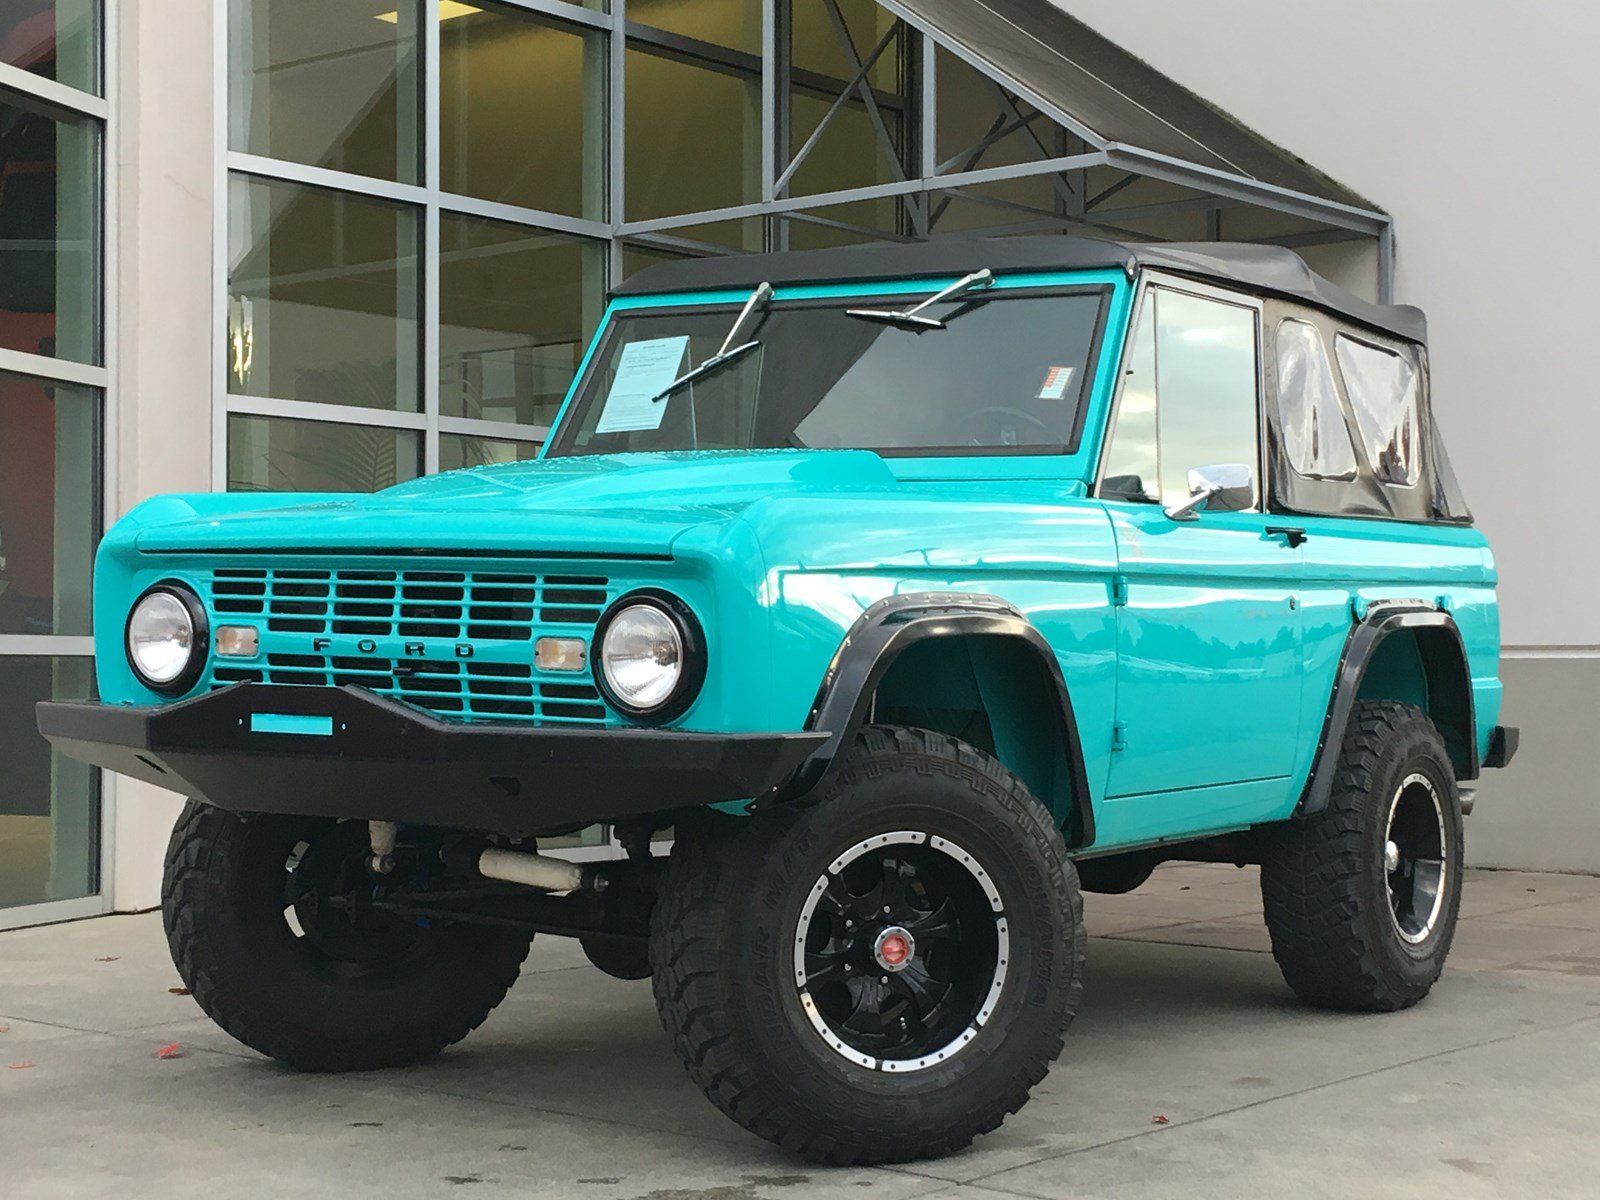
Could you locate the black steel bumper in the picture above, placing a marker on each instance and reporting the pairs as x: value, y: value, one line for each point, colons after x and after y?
x: 346, y: 752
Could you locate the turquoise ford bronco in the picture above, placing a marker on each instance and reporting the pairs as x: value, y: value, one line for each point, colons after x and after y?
x: 902, y: 591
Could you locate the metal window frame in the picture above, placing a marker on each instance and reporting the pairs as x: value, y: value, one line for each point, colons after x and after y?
x: 102, y: 379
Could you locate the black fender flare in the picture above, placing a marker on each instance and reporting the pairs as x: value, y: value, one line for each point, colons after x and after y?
x: 1381, y: 620
x: 879, y: 636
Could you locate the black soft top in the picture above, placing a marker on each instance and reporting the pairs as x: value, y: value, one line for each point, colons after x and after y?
x: 1264, y: 270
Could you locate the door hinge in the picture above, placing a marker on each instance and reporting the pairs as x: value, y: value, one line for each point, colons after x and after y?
x: 1119, y: 736
x: 1119, y: 590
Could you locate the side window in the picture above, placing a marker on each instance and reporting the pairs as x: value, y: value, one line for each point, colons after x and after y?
x: 1315, y: 438
x: 1382, y: 387
x: 1188, y: 399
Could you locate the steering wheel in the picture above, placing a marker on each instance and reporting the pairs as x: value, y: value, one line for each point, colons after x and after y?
x: 973, y: 424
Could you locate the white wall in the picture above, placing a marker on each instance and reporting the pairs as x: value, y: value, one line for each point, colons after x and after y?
x: 1473, y: 123
x: 164, y: 324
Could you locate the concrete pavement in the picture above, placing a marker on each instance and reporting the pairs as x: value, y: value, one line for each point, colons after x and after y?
x: 1490, y: 1088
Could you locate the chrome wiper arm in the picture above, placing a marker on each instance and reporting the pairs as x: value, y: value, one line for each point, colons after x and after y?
x: 910, y: 318
x: 724, y: 355
x: 715, y: 363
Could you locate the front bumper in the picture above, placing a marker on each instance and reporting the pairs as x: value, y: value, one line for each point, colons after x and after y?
x: 346, y: 752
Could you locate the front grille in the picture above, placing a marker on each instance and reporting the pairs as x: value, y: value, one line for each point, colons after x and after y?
x: 458, y: 643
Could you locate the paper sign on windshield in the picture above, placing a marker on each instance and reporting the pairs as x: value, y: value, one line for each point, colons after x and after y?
x: 1056, y: 381
x: 644, y: 371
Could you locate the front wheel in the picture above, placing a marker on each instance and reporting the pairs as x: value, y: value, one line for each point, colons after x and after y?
x: 885, y: 974
x: 271, y: 928
x: 1361, y: 898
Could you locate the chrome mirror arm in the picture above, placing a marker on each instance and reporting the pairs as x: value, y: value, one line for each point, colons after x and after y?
x: 1189, y: 510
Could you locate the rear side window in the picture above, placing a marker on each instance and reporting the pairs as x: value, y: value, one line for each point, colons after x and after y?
x: 1315, y: 437
x: 1382, y: 387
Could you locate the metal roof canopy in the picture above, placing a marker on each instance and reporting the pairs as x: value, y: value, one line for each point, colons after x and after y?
x: 1120, y: 111
x: 1271, y: 270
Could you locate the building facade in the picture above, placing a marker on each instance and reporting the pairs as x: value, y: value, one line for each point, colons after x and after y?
x: 334, y: 244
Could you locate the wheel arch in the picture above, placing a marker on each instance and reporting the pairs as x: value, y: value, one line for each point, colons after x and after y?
x: 1410, y: 652
x: 965, y: 664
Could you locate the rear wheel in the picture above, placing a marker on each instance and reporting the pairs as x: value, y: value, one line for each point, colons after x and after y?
x: 1361, y: 899
x: 881, y: 976
x: 271, y: 926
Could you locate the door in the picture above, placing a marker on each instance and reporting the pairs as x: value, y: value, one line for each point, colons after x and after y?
x: 1209, y: 671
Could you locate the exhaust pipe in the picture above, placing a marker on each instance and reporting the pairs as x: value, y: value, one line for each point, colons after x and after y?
x: 538, y: 871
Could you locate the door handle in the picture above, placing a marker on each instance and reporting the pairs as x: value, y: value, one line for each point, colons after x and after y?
x: 1293, y: 534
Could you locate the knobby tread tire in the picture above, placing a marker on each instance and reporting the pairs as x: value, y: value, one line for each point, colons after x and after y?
x: 704, y: 1005
x: 200, y: 910
x: 1322, y: 879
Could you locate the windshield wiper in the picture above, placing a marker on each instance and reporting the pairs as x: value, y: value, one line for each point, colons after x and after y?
x: 908, y: 319
x: 724, y: 355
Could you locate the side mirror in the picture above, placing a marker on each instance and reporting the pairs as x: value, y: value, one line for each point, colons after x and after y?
x: 1226, y: 487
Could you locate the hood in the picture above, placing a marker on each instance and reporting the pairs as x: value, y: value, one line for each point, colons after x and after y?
x: 627, y: 504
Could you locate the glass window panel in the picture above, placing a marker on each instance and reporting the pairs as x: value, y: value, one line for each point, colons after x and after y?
x: 693, y: 140
x: 456, y: 451
x: 735, y: 24
x: 58, y: 39
x: 815, y: 44
x: 278, y: 454
x: 323, y: 296
x: 50, y: 806
x: 49, y: 232
x: 523, y: 112
x: 636, y: 258
x: 1206, y: 388
x: 49, y: 504
x: 516, y: 308
x: 1315, y: 438
x: 848, y: 154
x: 329, y: 84
x: 1382, y: 387
x: 1132, y: 470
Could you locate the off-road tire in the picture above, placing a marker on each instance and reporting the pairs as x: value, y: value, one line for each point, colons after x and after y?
x: 238, y: 957
x: 722, y: 942
x: 1324, y: 881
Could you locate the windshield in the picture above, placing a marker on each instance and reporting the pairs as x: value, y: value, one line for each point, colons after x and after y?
x: 1008, y: 374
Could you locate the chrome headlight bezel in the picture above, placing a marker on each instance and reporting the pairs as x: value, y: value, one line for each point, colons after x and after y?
x: 199, y: 639
x: 692, y: 660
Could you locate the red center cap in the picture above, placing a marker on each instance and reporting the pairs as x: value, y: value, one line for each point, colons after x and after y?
x: 894, y: 950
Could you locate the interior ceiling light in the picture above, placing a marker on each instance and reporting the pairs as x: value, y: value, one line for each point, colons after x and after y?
x: 448, y: 9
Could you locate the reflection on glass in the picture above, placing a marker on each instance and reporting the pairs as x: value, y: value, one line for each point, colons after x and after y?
x: 1206, y: 364
x: 1132, y: 471
x: 735, y: 24
x: 49, y: 504
x: 516, y: 308
x: 522, y: 111
x: 274, y: 454
x: 693, y: 140
x: 49, y: 232
x: 323, y: 298
x: 58, y: 39
x: 457, y: 452
x: 1382, y: 387
x: 50, y: 806
x: 330, y: 85
x: 1315, y: 438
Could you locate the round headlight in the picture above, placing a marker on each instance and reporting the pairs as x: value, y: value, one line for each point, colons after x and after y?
x: 166, y: 636
x: 650, y: 662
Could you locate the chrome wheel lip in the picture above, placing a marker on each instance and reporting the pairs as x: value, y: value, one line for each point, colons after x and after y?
x: 1002, y: 952
x: 1417, y: 779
